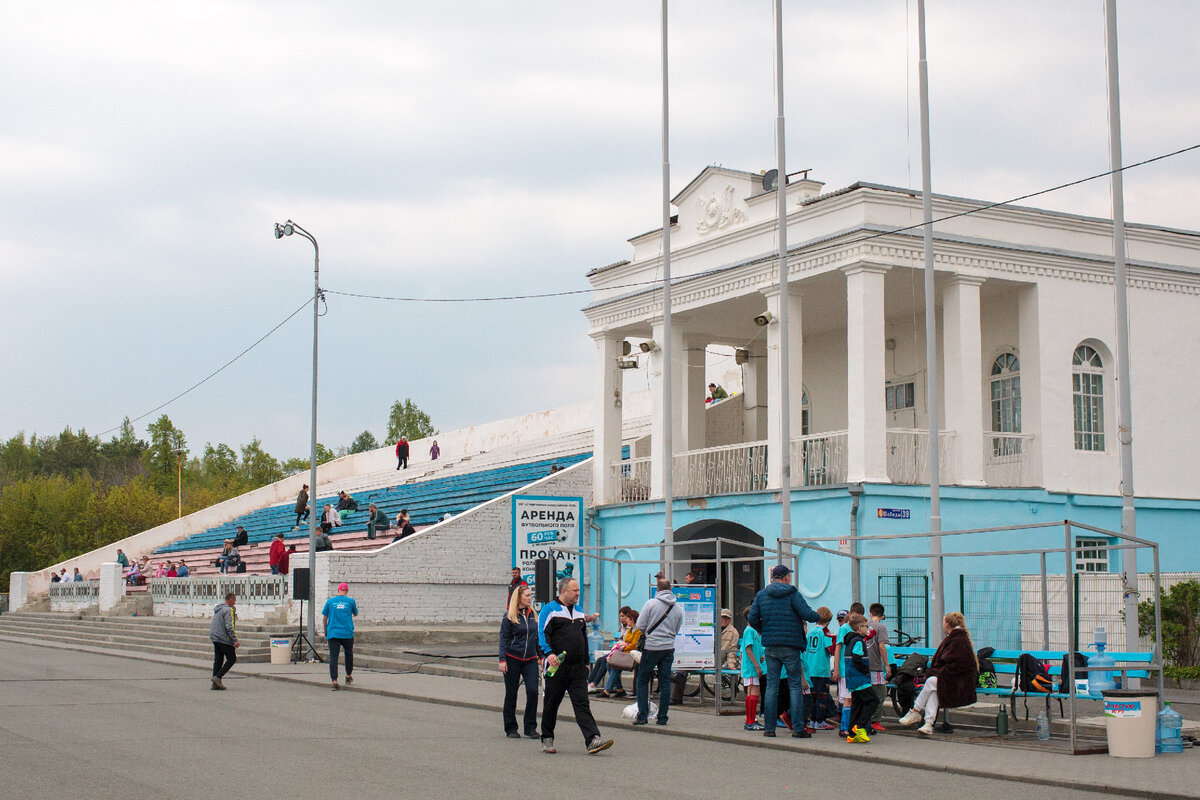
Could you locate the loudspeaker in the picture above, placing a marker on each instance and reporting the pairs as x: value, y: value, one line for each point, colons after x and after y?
x: 544, y: 570
x: 300, y: 583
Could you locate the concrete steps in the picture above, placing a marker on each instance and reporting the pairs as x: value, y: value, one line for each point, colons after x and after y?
x: 157, y: 636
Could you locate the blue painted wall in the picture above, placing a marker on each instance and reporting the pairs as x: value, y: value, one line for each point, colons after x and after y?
x: 825, y: 578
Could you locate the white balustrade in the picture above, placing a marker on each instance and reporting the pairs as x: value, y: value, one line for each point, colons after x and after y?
x: 1009, y: 458
x: 74, y: 595
x: 720, y: 470
x: 819, y: 459
x: 630, y: 480
x: 196, y: 597
x: 908, y: 456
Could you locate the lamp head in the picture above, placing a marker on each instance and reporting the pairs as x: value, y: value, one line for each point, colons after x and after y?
x: 648, y: 346
x: 286, y: 229
x: 764, y: 319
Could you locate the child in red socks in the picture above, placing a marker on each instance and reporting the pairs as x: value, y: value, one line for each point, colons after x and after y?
x: 753, y: 654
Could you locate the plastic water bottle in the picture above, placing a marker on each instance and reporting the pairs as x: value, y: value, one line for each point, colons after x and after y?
x: 1168, y: 734
x: 1043, y: 727
x: 553, y: 669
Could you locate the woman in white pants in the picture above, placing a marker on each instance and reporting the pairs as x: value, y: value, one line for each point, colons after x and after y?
x: 951, y: 678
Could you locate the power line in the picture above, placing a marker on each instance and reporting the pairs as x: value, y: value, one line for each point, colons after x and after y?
x: 219, y: 370
x: 810, y: 251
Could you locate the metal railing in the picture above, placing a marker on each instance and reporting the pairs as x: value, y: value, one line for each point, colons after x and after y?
x: 819, y: 459
x: 1009, y: 459
x: 908, y: 459
x: 630, y: 480
x: 720, y: 470
x: 74, y: 595
x: 211, y: 589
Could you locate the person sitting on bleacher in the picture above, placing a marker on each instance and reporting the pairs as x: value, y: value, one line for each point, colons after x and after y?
x: 182, y: 571
x: 404, y: 524
x: 171, y: 571
x: 241, y: 538
x: 229, y: 558
x: 323, y: 541
x: 377, y: 521
x: 134, y: 576
x: 330, y: 519
x: 346, y: 504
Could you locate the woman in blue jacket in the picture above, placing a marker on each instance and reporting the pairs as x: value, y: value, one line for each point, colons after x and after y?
x: 519, y: 660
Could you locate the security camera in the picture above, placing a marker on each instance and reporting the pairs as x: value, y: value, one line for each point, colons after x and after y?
x: 764, y: 319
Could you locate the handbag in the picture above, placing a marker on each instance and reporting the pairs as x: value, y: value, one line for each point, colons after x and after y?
x: 621, y: 660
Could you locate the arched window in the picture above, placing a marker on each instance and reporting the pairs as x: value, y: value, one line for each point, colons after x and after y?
x: 804, y: 415
x: 1006, y: 404
x: 1087, y: 389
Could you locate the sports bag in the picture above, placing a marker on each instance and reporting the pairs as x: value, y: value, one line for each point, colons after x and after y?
x: 1032, y: 675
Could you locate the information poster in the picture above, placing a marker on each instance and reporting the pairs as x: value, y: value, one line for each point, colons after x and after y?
x: 694, y: 642
x: 540, y: 523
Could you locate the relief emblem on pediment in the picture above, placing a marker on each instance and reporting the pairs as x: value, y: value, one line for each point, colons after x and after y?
x: 717, y: 212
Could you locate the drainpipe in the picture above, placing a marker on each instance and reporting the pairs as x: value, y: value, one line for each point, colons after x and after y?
x: 855, y: 490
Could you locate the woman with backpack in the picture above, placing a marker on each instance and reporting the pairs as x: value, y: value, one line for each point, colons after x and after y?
x: 951, y: 678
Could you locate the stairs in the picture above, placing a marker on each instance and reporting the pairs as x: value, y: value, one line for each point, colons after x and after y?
x: 165, y: 636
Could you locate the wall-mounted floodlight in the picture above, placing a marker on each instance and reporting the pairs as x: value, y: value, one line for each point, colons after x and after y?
x: 741, y: 356
x: 627, y: 363
x: 764, y: 319
x: 284, y: 229
x: 648, y: 346
x: 626, y: 348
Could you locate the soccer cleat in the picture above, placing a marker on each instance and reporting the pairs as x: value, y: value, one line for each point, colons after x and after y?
x: 912, y: 717
x: 926, y: 729
x: 877, y: 727
x: 860, y: 736
x: 849, y: 739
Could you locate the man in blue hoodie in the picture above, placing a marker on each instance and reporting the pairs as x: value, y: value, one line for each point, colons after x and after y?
x: 779, y: 613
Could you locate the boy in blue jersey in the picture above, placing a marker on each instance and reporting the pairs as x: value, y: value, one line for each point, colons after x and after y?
x: 339, y: 613
x: 816, y: 670
x: 856, y: 668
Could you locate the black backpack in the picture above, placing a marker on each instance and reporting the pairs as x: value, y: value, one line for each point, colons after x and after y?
x: 1081, y: 662
x: 987, y: 670
x: 1032, y: 675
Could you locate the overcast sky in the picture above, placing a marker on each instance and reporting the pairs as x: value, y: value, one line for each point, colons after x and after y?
x: 456, y: 149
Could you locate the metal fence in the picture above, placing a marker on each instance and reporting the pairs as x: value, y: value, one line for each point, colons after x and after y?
x: 630, y: 480
x: 993, y: 608
x: 904, y: 594
x: 1010, y: 459
x: 820, y: 459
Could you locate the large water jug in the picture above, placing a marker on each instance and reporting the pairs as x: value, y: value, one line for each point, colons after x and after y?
x: 1168, y: 736
x: 1101, y: 679
x: 595, y: 639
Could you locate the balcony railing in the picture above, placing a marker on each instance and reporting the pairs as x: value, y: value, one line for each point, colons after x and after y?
x: 908, y: 456
x: 819, y: 459
x: 629, y: 480
x: 1009, y: 459
x: 720, y: 470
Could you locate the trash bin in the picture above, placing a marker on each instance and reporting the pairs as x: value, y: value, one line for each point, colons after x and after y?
x: 1130, y: 716
x: 281, y: 653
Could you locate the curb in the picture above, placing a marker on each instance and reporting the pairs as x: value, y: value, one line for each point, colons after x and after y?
x: 778, y: 745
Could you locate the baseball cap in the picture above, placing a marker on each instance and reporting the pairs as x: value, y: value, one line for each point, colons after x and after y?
x: 780, y: 571
x: 843, y: 613
x: 343, y: 587
x: 725, y: 612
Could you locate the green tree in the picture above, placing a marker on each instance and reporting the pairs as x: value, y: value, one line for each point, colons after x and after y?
x: 120, y: 457
x: 407, y: 420
x: 258, y: 466
x: 1180, y: 623
x: 363, y: 442
x: 159, y: 459
x: 300, y: 463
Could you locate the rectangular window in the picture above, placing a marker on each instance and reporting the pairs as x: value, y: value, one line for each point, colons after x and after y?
x: 1090, y: 555
x: 901, y: 396
x: 1087, y: 390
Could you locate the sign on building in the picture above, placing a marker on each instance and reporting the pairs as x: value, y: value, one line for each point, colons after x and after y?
x: 541, y: 522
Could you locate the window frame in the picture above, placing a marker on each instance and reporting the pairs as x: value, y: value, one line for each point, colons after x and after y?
x: 1088, y: 378
x: 1091, y: 554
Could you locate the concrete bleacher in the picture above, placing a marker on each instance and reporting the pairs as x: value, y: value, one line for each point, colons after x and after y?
x: 427, y: 502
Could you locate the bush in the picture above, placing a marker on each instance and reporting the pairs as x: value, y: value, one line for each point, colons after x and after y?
x: 1180, y: 623
x: 1183, y: 673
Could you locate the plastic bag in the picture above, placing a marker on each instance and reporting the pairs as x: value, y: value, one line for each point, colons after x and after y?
x: 630, y: 711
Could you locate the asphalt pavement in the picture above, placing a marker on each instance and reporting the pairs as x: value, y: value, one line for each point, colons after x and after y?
x: 85, y: 724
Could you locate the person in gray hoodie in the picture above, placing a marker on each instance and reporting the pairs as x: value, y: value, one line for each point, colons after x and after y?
x: 659, y: 622
x: 223, y: 633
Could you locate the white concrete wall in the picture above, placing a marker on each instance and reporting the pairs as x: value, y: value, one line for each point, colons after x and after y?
x: 18, y: 590
x: 452, y: 572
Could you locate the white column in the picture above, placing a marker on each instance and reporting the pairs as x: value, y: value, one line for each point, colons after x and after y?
x: 865, y: 375
x: 18, y: 590
x: 962, y: 362
x: 754, y: 396
x: 695, y: 391
x: 1029, y: 347
x: 606, y: 411
x: 795, y: 377
x: 658, y: 372
x: 112, y: 585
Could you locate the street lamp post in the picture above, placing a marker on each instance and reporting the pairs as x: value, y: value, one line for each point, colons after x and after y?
x: 179, y: 451
x: 287, y: 229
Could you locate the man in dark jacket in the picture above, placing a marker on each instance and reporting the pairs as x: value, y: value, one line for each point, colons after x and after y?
x: 376, y: 521
x: 402, y: 453
x: 223, y: 632
x: 241, y: 538
x: 779, y: 613
x: 562, y: 633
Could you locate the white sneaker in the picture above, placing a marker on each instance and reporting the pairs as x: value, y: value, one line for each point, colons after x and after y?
x: 912, y: 717
x: 926, y: 729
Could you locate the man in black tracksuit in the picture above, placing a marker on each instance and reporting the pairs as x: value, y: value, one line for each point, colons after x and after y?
x: 562, y: 632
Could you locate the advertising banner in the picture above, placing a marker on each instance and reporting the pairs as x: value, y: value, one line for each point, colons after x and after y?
x: 540, y: 522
